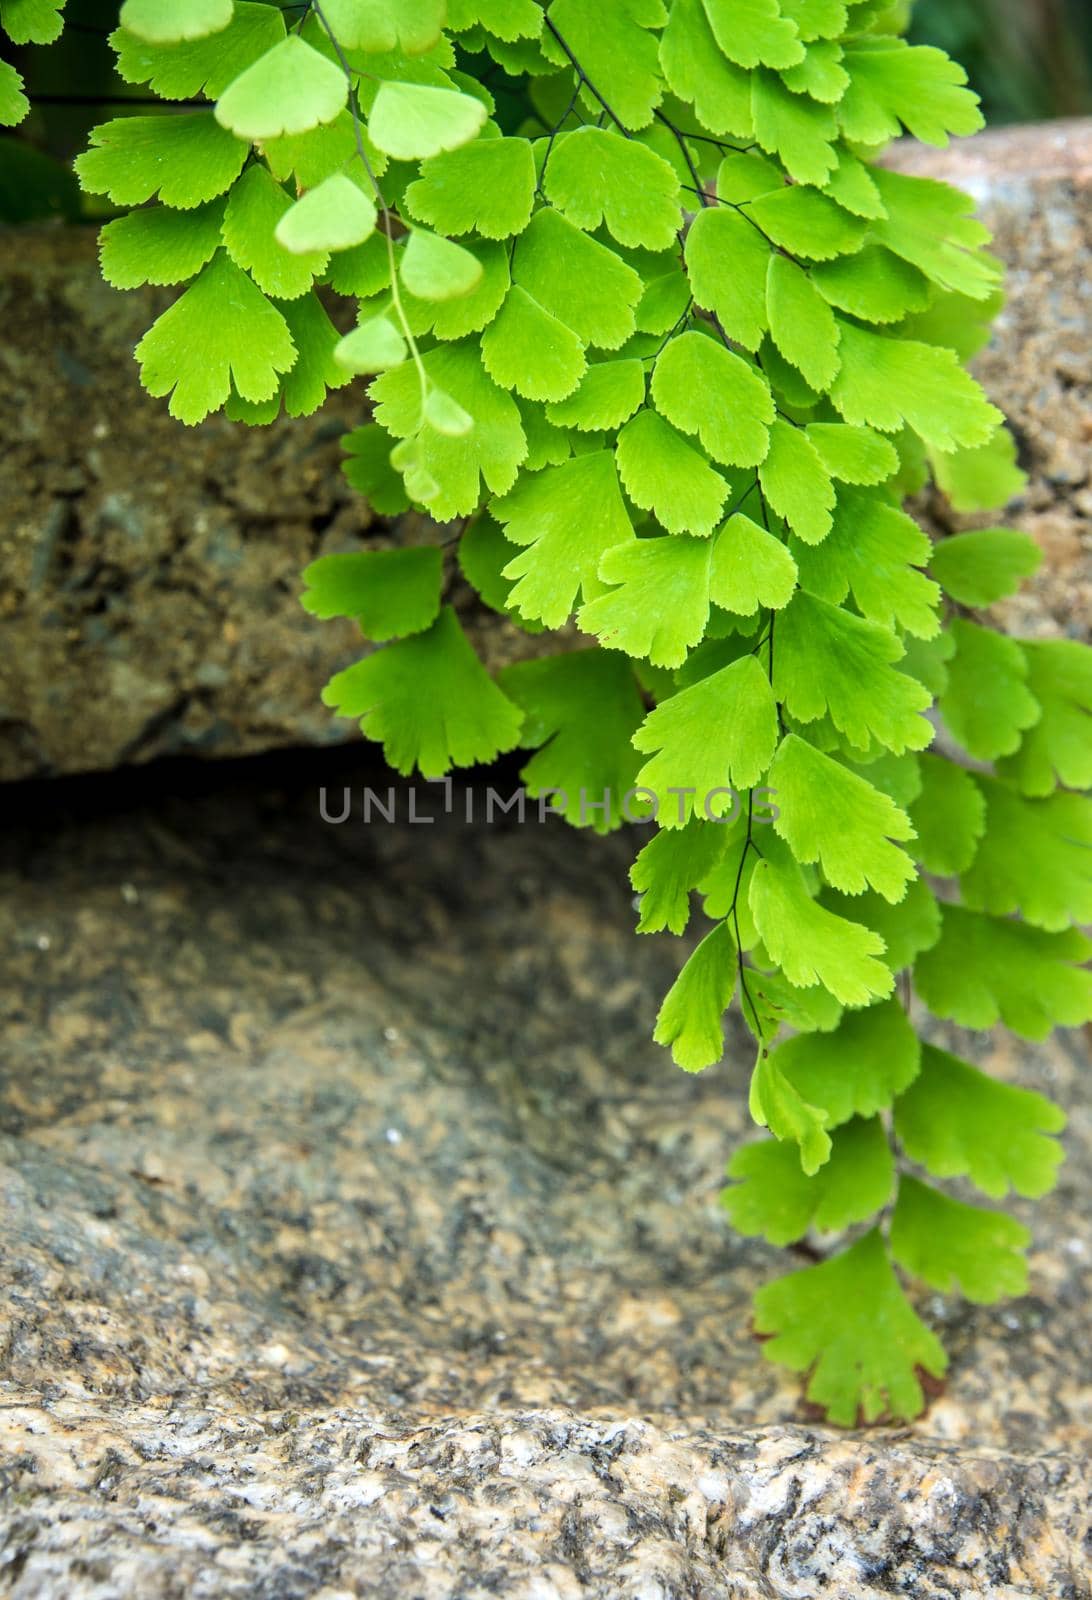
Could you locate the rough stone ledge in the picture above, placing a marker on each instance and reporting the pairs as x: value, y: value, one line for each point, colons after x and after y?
x: 188, y: 1500
x: 149, y: 572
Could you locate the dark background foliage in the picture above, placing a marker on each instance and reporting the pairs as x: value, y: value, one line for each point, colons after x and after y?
x: 1028, y: 59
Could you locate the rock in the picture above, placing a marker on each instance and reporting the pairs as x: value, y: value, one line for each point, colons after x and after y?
x: 150, y: 572
x: 1033, y: 187
x: 358, y: 1242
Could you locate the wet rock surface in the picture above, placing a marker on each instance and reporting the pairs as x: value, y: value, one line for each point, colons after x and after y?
x: 149, y: 572
x: 357, y: 1242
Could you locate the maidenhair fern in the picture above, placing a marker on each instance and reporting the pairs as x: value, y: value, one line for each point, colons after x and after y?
x: 645, y: 320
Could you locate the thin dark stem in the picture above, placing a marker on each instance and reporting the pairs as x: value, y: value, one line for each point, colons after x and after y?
x: 777, y: 702
x: 748, y: 845
x: 354, y: 110
x: 740, y: 206
x: 585, y: 80
x: 687, y: 157
x: 554, y: 131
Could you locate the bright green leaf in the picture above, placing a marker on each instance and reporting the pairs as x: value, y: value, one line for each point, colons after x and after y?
x: 988, y: 969
x: 175, y: 21
x: 311, y: 157
x: 753, y: 33
x: 607, y: 396
x: 1035, y: 857
x: 853, y: 185
x: 387, y: 593
x: 315, y: 370
x: 918, y: 86
x: 411, y: 121
x: 801, y: 323
x: 853, y: 455
x: 664, y: 474
x: 436, y: 269
x: 948, y: 816
x: 907, y: 929
x: 158, y: 245
x: 616, y: 51
x: 508, y: 19
x: 380, y: 26
x: 872, y: 1056
x: 369, y: 470
x: 493, y: 450
x: 583, y: 283
x: 886, y: 382
x: 581, y: 709
x: 874, y: 551
x: 528, y: 350
x: 812, y: 945
x: 774, y: 1197
x: 698, y: 73
x: 958, y: 1122
x: 778, y: 1003
x: 429, y: 700
x: 776, y: 1104
x: 447, y: 415
x: 828, y: 660
x: 485, y: 187
x: 222, y: 331
x: 978, y: 568
x: 953, y: 1246
x: 14, y: 104
x: 467, y: 313
x: 200, y: 66
x: 185, y: 160
x: 691, y: 1019
x: 983, y: 478
x: 290, y: 89
x: 716, y: 735
x: 750, y: 568
x: 796, y: 483
x: 728, y: 261
x: 32, y: 21
x: 816, y: 19
x: 567, y: 517
x: 255, y: 207
x: 798, y: 130
x: 850, y: 1323
x: 596, y: 176
x: 671, y: 865
x: 705, y: 389
x: 807, y: 223
x: 835, y: 817
x: 874, y: 285
x: 987, y: 704
x: 334, y: 216
x: 1058, y: 749
x: 372, y: 347
x: 932, y: 226
x: 661, y: 607
x: 820, y: 75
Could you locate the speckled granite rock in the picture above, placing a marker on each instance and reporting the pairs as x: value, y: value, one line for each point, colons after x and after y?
x: 149, y: 572
x: 357, y: 1242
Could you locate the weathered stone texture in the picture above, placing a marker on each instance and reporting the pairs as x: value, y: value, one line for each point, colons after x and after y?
x: 357, y: 1242
x: 149, y: 573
